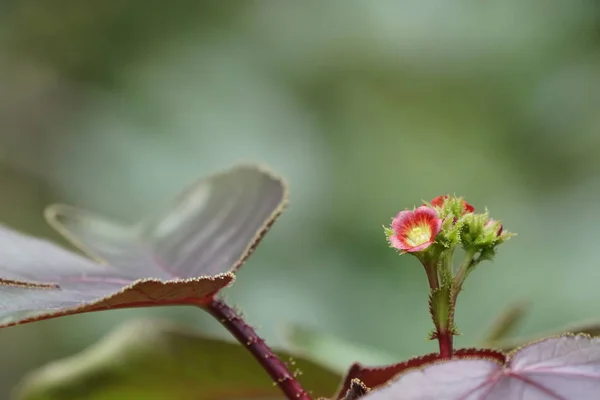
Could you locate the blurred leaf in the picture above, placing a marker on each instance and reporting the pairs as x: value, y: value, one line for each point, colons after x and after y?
x: 183, y: 255
x: 156, y: 360
x: 566, y: 368
x: 332, y: 351
x: 24, y: 195
x: 92, y: 41
x: 208, y: 229
x: 505, y: 324
x: 591, y: 328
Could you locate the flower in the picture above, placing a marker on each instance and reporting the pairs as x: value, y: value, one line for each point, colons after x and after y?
x: 414, y: 231
x: 439, y: 202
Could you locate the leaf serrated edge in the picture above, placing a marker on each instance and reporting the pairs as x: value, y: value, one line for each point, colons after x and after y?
x: 511, y: 354
x: 415, y: 364
x: 356, y: 390
x: 94, y: 305
x: 28, y: 284
x: 462, y: 354
x: 50, y: 212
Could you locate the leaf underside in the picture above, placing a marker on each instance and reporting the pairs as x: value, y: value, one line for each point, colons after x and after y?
x: 558, y: 368
x: 156, y: 360
x: 184, y: 254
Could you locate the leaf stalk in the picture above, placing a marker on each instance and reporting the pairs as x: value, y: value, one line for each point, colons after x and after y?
x: 247, y: 336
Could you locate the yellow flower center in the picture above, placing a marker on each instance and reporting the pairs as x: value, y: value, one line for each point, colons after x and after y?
x: 418, y: 235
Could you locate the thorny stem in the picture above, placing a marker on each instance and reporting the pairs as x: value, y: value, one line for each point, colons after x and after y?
x: 246, y: 335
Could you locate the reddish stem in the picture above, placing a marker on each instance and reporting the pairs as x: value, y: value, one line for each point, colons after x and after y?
x: 432, y: 276
x: 246, y: 335
x: 445, y: 342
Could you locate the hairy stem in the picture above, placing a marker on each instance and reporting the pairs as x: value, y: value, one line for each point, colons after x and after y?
x: 445, y: 341
x: 246, y: 335
x: 465, y: 267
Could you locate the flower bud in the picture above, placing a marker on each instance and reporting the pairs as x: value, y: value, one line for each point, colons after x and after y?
x: 456, y: 206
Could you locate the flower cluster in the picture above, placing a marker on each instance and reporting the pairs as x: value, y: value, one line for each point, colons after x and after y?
x: 447, y: 221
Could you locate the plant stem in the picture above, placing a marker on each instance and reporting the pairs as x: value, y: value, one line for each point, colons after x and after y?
x: 445, y: 341
x: 445, y: 333
x: 246, y: 335
x: 464, y: 269
x: 432, y: 276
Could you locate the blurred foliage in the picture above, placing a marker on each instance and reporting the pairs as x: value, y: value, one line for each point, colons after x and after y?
x: 366, y: 108
x: 155, y: 360
x: 335, y: 352
x: 86, y: 41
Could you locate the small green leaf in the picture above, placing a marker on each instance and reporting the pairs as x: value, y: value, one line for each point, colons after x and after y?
x: 334, y: 352
x: 156, y: 360
x: 388, y: 231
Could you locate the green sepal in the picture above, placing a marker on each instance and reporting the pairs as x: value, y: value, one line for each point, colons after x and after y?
x: 481, y: 233
x: 455, y: 206
x: 449, y: 236
x: 388, y: 231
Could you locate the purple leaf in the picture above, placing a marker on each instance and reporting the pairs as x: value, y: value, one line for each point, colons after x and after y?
x: 374, y: 377
x: 558, y: 368
x: 182, y: 255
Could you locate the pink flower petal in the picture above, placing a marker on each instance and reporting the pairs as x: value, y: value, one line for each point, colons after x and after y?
x: 429, y: 215
x: 420, y: 247
x: 397, y: 243
x: 401, y: 220
x: 406, y: 222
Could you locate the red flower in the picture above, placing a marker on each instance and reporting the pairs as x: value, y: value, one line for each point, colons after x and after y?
x: 439, y: 201
x: 415, y: 230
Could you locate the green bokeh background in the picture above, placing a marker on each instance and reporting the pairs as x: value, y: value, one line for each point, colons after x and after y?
x: 367, y: 107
